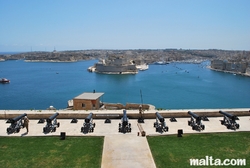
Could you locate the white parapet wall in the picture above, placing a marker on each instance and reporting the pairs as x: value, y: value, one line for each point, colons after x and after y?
x: 102, y: 114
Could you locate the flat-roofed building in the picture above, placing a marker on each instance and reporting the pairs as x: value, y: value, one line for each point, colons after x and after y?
x: 87, y: 101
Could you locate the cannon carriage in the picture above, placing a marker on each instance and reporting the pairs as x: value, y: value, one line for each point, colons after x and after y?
x: 124, y: 126
x: 16, y: 124
x: 229, y: 120
x: 195, y: 122
x: 52, y: 124
x: 160, y: 124
x: 88, y: 125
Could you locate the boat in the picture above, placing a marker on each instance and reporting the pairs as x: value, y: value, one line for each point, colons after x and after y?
x: 142, y: 67
x: 91, y: 69
x: 4, y: 80
x: 161, y: 63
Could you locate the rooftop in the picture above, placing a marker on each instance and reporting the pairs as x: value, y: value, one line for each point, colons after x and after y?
x: 89, y: 96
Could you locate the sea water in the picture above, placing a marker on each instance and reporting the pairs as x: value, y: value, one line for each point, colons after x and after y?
x: 38, y: 85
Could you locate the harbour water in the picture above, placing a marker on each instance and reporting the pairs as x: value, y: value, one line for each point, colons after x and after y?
x: 38, y: 85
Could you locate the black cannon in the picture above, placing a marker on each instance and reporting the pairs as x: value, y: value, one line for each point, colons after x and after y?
x: 124, y: 126
x: 160, y: 124
x: 195, y: 122
x: 229, y: 120
x: 51, y: 124
x: 16, y: 124
x: 88, y: 125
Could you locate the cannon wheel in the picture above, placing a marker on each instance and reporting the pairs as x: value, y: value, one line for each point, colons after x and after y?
x: 166, y: 129
x: 193, y: 127
x: 203, y: 127
x: 156, y: 129
x: 58, y: 124
x: 8, y: 130
x: 90, y: 129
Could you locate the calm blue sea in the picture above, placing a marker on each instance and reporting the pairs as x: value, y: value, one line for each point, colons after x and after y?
x: 38, y: 85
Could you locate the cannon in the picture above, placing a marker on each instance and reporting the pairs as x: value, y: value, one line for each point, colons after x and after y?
x: 229, y: 120
x: 195, y: 122
x: 52, y: 124
x: 88, y: 125
x: 124, y: 126
x: 160, y: 124
x: 16, y: 124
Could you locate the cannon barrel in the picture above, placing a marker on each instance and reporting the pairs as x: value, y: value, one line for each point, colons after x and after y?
x: 13, y: 120
x: 124, y: 118
x: 88, y: 118
x: 231, y: 116
x: 52, y: 117
x: 194, y: 115
x: 159, y: 117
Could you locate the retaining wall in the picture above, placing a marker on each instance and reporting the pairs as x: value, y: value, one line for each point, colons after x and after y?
x: 117, y: 114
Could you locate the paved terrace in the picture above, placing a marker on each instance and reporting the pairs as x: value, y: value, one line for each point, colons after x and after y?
x: 123, y: 150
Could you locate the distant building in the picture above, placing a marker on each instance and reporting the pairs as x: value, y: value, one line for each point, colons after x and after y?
x: 218, y: 64
x: 87, y: 101
x: 239, y: 67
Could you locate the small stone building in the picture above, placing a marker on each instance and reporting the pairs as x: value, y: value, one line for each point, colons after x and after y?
x: 87, y: 101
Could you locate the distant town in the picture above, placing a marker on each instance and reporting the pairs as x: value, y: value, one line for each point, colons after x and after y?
x: 222, y: 60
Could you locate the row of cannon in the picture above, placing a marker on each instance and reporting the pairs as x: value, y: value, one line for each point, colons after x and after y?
x: 17, y: 124
x: 229, y: 120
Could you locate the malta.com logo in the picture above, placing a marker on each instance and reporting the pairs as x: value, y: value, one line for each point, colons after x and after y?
x: 210, y: 161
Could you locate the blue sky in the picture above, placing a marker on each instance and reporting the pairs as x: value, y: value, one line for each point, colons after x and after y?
x: 41, y: 25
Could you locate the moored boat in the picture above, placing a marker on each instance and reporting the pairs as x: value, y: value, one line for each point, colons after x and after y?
x: 161, y: 63
x: 142, y: 67
x: 4, y: 80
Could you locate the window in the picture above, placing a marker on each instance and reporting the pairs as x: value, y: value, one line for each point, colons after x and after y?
x: 83, y: 105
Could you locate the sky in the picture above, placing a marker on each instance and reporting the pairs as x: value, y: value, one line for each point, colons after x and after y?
x: 45, y: 25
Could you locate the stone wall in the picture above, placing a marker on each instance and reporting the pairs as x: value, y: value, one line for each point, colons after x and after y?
x: 130, y: 106
x: 117, y: 114
x: 115, y: 69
